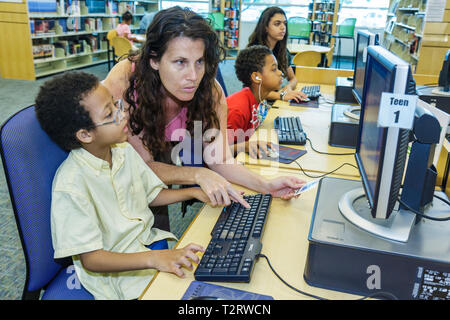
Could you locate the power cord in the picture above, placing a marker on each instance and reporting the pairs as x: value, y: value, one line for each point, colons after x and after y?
x: 420, y: 214
x: 327, y: 153
x: 387, y: 295
x: 325, y: 174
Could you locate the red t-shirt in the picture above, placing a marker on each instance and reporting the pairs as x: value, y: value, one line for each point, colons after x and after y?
x: 242, y: 114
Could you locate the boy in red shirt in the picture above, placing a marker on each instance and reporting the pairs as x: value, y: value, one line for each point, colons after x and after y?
x: 257, y: 68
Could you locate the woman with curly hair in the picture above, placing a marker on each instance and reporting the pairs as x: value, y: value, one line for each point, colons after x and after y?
x: 272, y: 31
x: 170, y: 87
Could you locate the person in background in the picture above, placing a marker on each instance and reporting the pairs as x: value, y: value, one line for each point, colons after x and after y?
x: 271, y: 31
x: 145, y: 21
x: 123, y: 29
x: 257, y: 69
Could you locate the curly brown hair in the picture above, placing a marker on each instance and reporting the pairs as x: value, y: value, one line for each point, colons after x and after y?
x: 145, y: 88
x: 259, y: 36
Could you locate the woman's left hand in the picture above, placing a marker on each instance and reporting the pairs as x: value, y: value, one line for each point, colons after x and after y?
x: 284, y: 187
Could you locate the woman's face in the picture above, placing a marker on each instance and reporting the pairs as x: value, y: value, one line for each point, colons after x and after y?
x: 276, y: 30
x: 181, y: 67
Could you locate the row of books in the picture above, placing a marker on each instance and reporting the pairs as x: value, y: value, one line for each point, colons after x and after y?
x: 77, y: 7
x: 39, y: 27
x: 66, y: 48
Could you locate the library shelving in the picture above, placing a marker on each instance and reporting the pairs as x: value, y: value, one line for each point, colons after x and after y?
x: 418, y: 32
x: 71, y: 34
x: 230, y: 35
x: 323, y: 15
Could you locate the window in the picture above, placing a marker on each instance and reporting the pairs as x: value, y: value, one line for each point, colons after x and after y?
x: 199, y: 6
x: 252, y: 9
x: 368, y: 13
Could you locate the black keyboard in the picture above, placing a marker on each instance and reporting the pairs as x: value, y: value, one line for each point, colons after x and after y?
x: 313, y: 92
x: 290, y: 131
x: 236, y: 241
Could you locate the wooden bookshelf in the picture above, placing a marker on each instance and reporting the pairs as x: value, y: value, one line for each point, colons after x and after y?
x: 230, y: 35
x: 43, y: 52
x: 418, y: 32
x: 324, y: 16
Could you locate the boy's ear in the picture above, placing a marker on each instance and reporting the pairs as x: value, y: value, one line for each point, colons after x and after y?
x: 256, y: 77
x: 84, y: 136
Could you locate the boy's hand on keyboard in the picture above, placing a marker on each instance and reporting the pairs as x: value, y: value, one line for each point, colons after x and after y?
x: 174, y: 260
x: 295, y: 95
x: 285, y: 187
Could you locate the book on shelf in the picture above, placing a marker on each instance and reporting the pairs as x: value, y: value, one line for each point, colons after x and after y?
x: 42, y: 51
x: 44, y: 27
x: 42, y: 6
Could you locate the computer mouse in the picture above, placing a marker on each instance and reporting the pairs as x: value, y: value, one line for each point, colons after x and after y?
x: 272, y: 154
x: 305, y: 99
x: 205, y: 298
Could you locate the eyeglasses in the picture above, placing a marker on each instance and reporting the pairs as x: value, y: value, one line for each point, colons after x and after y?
x: 117, y: 118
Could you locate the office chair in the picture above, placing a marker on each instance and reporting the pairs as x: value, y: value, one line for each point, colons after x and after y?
x: 299, y: 28
x: 121, y: 48
x: 345, y: 31
x: 109, y: 37
x: 219, y: 78
x: 30, y: 160
x: 307, y: 59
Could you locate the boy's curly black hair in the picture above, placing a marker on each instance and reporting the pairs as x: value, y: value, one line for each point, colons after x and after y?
x: 249, y: 60
x: 58, y: 108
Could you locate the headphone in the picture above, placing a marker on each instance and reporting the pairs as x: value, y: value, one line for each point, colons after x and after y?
x: 258, y: 78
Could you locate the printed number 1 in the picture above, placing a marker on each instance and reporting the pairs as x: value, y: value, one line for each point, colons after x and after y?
x: 397, y: 115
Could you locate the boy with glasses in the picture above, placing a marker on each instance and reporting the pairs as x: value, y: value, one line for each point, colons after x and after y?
x: 101, y: 193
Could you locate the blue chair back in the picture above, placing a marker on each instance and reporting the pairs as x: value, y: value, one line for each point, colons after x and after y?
x: 220, y: 80
x: 30, y: 160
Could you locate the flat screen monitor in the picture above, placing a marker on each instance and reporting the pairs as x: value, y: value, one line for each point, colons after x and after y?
x: 364, y: 39
x: 381, y: 152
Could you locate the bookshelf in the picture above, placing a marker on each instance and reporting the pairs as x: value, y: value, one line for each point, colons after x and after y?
x: 418, y: 32
x: 71, y: 34
x: 323, y: 15
x: 230, y: 35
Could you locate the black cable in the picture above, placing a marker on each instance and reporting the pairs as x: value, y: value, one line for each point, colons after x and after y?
x: 387, y: 295
x: 287, y: 284
x: 420, y: 214
x: 442, y: 199
x: 330, y: 154
x: 325, y: 174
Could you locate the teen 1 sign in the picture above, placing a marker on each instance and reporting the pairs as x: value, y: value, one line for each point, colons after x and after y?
x: 397, y: 110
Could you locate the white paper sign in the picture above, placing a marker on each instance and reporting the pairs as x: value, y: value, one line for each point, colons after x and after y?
x: 397, y: 110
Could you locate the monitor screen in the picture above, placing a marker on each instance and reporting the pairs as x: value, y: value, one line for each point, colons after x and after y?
x: 381, y: 152
x: 373, y: 137
x: 363, y: 41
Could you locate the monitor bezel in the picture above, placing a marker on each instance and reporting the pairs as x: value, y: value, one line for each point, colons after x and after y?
x: 371, y: 40
x: 393, y: 138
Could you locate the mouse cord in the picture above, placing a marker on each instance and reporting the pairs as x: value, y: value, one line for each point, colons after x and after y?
x: 380, y: 294
x: 325, y: 174
x: 331, y: 154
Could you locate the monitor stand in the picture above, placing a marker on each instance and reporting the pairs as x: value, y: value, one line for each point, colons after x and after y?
x: 343, y: 256
x: 399, y: 224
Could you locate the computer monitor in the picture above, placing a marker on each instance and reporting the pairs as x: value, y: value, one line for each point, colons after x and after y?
x: 364, y: 39
x: 381, y: 152
x: 444, y: 76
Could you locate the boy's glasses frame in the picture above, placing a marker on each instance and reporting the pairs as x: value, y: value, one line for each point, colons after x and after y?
x: 117, y: 118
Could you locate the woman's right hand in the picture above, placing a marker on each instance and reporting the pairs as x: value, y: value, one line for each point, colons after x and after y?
x: 219, y: 191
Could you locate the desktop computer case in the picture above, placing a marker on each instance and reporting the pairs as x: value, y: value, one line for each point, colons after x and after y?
x: 345, y: 258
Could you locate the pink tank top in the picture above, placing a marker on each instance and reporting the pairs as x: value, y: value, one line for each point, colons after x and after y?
x: 178, y: 122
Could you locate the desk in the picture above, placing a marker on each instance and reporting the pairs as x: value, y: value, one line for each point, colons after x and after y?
x: 284, y: 243
x: 316, y: 123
